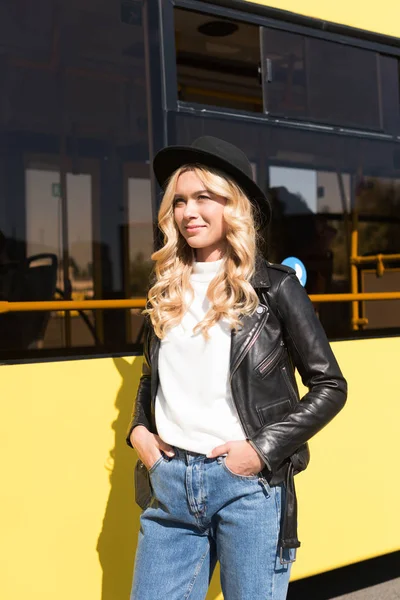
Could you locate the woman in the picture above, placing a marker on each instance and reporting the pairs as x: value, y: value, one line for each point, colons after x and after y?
x: 217, y: 422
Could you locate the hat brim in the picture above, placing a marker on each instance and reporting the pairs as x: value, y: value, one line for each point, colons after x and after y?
x: 169, y: 159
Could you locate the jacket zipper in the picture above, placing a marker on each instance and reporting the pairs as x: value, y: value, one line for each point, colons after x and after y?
x: 271, y: 360
x: 236, y: 366
x: 238, y: 363
x: 246, y: 350
x: 272, y: 404
x: 292, y: 391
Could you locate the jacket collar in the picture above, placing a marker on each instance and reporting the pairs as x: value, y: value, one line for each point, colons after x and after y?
x: 260, y: 278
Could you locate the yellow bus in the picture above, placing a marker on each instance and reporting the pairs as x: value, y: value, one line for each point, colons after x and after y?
x: 90, y: 90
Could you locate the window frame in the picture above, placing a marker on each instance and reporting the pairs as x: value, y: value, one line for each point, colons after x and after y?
x: 267, y: 18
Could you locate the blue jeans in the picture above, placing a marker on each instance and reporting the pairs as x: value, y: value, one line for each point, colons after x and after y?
x: 201, y: 512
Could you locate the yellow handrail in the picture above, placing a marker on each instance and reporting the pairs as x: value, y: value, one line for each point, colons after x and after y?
x: 357, y: 260
x: 141, y: 302
x: 354, y: 297
x: 379, y: 259
x: 355, y: 320
x: 71, y: 305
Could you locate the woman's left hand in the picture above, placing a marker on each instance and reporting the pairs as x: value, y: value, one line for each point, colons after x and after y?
x: 242, y: 459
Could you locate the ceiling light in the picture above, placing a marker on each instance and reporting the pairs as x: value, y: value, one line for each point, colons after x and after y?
x: 217, y: 28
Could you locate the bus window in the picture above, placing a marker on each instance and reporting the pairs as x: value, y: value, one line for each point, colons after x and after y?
x: 378, y: 226
x: 322, y: 187
x: 74, y: 176
x: 328, y: 82
x: 312, y: 205
x: 140, y: 224
x: 390, y: 78
x: 217, y: 61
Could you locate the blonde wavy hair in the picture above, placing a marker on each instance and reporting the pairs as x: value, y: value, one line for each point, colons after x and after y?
x: 230, y: 292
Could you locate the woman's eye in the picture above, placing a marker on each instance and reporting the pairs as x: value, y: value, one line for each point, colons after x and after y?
x: 178, y: 201
x: 204, y: 197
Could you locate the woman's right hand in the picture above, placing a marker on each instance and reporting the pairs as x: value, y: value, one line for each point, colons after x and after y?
x: 149, y: 446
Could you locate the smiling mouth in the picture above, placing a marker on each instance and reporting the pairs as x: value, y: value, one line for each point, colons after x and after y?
x: 194, y: 227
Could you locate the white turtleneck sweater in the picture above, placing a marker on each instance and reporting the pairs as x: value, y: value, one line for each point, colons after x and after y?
x: 194, y: 408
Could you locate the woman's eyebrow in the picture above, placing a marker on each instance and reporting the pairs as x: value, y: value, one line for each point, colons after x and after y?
x: 193, y: 194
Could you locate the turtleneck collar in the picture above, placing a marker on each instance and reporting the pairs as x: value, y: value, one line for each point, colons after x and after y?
x: 204, y: 271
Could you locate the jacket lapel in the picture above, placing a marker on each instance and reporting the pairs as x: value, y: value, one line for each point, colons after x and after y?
x: 243, y: 339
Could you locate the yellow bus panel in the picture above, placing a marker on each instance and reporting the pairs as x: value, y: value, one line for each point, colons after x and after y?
x: 358, y: 13
x: 69, y: 522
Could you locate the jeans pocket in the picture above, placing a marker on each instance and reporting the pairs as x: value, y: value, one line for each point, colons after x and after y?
x: 237, y: 475
x: 156, y: 464
x: 266, y: 486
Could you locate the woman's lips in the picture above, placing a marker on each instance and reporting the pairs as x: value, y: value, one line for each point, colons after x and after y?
x: 194, y: 227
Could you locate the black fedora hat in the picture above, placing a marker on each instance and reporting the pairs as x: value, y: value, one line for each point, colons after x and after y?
x: 212, y: 152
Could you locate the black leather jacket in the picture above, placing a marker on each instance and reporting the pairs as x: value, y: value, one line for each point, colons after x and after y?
x: 284, y: 333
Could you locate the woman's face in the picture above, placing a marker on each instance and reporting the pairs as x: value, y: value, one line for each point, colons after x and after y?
x: 199, y: 215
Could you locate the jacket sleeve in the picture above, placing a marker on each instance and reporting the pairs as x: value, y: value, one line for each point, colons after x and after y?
x: 312, y: 355
x: 141, y: 412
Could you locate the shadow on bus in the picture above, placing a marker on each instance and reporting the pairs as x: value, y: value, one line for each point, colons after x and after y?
x: 117, y: 541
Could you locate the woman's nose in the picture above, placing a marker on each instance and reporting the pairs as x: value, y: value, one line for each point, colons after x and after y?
x: 190, y: 209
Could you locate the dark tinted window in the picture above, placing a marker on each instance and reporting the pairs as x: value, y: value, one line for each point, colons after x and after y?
x: 390, y: 80
x: 321, y: 80
x: 343, y: 84
x: 317, y: 183
x: 284, y: 73
x: 378, y: 212
x: 75, y: 204
x: 227, y: 63
x: 217, y: 61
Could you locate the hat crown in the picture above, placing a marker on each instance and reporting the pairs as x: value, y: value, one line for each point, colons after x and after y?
x: 224, y: 150
x: 214, y: 153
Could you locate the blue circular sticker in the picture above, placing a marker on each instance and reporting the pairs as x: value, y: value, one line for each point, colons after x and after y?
x: 297, y: 265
